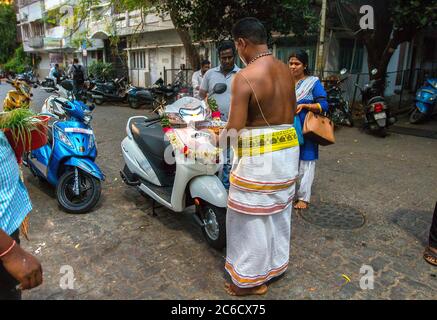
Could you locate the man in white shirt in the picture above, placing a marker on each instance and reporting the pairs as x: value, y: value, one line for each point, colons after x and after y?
x: 198, y: 77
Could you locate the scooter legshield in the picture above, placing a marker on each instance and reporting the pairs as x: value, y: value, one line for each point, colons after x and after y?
x: 423, y: 107
x: 86, y: 165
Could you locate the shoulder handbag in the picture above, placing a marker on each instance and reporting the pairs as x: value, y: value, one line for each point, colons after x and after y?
x: 319, y: 128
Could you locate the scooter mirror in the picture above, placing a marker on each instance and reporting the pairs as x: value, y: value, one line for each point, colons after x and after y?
x: 92, y: 107
x: 35, y: 86
x: 343, y: 71
x: 374, y: 71
x: 219, y: 88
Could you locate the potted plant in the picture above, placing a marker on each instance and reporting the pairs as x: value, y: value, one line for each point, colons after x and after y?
x: 24, y: 130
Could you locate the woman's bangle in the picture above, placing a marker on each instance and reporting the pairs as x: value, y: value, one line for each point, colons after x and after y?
x: 9, y: 249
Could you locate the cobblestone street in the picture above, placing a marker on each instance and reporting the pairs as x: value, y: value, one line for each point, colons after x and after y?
x: 120, y: 251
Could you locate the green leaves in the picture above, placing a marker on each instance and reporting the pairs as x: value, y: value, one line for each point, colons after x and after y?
x: 8, y: 34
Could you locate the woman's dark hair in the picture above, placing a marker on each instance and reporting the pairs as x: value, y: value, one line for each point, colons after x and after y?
x: 302, y: 56
x: 225, y: 45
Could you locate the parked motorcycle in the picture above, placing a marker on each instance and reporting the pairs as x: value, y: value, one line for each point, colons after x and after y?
x: 18, y: 98
x: 377, y: 114
x: 138, y: 96
x: 425, y: 105
x: 29, y: 77
x: 179, y: 185
x: 114, y: 90
x: 67, y: 161
x: 61, y: 94
x: 339, y: 110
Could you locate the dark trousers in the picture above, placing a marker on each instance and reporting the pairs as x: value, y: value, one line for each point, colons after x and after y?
x: 433, y: 231
x: 8, y: 284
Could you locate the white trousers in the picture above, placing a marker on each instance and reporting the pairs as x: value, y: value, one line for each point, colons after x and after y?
x: 307, y: 170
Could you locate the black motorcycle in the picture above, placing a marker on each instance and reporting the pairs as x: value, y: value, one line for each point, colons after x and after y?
x: 339, y: 110
x: 29, y: 77
x: 377, y: 114
x: 113, y: 90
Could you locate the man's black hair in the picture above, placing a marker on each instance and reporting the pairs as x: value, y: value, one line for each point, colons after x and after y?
x: 225, y: 45
x: 205, y: 62
x: 251, y: 29
x: 75, y: 60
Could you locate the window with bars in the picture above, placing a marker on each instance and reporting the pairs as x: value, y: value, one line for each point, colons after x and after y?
x: 138, y: 59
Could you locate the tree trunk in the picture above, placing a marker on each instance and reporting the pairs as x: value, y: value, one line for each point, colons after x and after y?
x: 190, y: 50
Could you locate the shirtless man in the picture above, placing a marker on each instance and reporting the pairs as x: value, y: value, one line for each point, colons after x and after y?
x: 259, y: 206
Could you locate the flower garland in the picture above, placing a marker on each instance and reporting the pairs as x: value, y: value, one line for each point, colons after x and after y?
x: 183, y: 148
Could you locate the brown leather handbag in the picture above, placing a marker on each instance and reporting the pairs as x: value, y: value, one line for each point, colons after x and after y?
x: 318, y: 128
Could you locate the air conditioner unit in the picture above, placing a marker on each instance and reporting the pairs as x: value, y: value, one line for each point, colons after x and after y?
x: 24, y: 16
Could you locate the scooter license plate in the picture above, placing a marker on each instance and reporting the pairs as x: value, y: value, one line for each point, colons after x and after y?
x: 79, y: 130
x: 379, y: 116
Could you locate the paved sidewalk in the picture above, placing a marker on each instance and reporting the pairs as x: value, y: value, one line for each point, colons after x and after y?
x: 119, y: 251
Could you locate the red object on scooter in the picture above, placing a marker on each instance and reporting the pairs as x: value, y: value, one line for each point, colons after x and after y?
x: 38, y: 138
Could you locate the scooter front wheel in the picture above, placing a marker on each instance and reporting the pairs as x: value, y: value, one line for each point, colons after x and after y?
x: 417, y: 116
x: 83, y: 201
x: 214, y: 225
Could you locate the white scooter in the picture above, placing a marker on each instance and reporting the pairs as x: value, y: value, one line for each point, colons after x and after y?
x: 61, y: 92
x: 183, y: 184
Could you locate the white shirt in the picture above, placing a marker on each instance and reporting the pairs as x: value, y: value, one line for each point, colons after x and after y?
x: 196, y: 81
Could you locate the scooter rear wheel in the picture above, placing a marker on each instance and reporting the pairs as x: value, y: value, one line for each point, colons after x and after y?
x: 90, y: 192
x: 214, y: 228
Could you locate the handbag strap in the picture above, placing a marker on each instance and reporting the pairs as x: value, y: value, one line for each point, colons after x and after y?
x: 256, y: 98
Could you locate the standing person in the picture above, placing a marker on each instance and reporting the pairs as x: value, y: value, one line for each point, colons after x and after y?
x: 310, y: 96
x: 16, y: 265
x: 430, y: 254
x: 55, y: 73
x: 224, y: 73
x: 77, y: 73
x: 197, y: 78
x: 258, y: 219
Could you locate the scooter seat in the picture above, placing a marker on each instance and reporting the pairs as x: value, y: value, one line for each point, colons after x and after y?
x: 150, y: 139
x: 376, y: 99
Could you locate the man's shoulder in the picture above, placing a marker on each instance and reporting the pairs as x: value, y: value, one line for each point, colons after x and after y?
x: 210, y: 72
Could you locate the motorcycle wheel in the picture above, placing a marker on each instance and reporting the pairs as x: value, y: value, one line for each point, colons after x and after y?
x: 98, y: 101
x: 214, y: 228
x: 417, y: 116
x: 134, y: 104
x: 88, y: 198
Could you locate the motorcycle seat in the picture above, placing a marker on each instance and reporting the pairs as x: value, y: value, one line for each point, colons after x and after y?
x: 150, y: 139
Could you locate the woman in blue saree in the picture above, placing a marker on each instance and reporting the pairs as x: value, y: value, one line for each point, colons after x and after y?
x: 310, y: 96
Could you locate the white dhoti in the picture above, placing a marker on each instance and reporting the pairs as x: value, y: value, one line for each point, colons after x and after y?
x: 307, y: 170
x: 259, y: 210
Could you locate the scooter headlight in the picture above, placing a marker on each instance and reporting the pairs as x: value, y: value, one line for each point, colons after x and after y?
x: 64, y: 139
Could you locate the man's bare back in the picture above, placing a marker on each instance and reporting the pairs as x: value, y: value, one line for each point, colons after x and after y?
x: 274, y: 87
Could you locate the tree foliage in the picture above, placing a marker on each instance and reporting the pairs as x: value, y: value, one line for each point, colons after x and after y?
x: 8, y: 34
x: 396, y: 21
x: 19, y: 63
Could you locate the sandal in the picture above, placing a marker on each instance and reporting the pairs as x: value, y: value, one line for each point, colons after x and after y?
x: 430, y: 256
x: 296, y: 208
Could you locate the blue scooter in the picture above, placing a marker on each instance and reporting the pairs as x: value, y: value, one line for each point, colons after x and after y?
x: 67, y: 160
x: 425, y: 102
